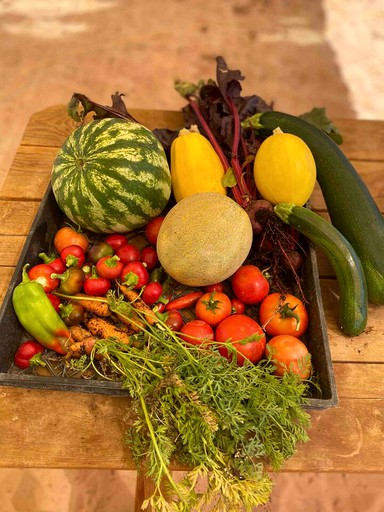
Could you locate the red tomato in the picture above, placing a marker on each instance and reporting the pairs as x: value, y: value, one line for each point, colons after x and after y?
x: 283, y: 314
x: 56, y: 263
x: 237, y: 306
x: 236, y: 329
x: 149, y: 256
x: 216, y: 287
x: 213, y: 307
x: 249, y: 284
x: 109, y: 267
x: 152, y: 229
x: 174, y: 320
x: 42, y: 274
x: 68, y: 236
x: 97, y: 286
x: 128, y: 253
x: 116, y: 241
x: 73, y: 256
x: 152, y: 293
x: 288, y: 353
x: 25, y: 352
x: 134, y: 275
x: 196, y: 332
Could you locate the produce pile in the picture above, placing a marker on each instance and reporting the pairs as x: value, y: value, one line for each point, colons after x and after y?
x: 178, y: 275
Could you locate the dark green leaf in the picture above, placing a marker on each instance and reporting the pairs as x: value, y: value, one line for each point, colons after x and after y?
x: 317, y: 117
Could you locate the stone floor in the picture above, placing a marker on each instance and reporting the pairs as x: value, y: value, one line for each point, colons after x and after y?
x: 296, y: 53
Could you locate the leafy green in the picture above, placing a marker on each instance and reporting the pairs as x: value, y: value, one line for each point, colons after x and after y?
x: 227, y: 423
x: 317, y: 117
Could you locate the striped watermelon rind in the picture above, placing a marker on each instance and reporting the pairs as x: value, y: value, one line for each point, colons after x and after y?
x: 111, y: 176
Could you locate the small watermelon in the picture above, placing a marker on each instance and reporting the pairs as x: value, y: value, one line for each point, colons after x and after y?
x: 111, y: 176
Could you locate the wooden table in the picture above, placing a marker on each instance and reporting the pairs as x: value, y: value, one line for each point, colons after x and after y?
x: 56, y: 429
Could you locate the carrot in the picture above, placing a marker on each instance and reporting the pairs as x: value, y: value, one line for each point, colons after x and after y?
x: 138, y: 303
x: 104, y: 329
x: 78, y: 333
x: 83, y: 342
x: 95, y: 305
x: 83, y: 347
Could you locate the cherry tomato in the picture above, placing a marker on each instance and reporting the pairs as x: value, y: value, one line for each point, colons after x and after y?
x: 56, y: 263
x: 283, y: 314
x: 213, y: 307
x: 96, y: 285
x: 55, y: 301
x: 72, y: 314
x: 174, y: 320
x: 159, y: 307
x: 249, y: 284
x: 288, y: 353
x: 152, y: 293
x: 216, y: 287
x: 42, y: 274
x: 236, y: 329
x: 73, y: 256
x: 237, y: 306
x: 152, y: 229
x: 116, y: 241
x: 196, y: 332
x: 128, y: 253
x: 68, y: 236
x: 149, y: 256
x: 71, y: 281
x: 98, y: 251
x: 109, y: 267
x: 134, y: 275
x: 26, y: 352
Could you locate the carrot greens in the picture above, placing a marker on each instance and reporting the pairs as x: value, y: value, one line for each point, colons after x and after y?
x: 229, y: 424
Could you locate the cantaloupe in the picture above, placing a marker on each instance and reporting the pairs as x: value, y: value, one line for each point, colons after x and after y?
x: 204, y: 239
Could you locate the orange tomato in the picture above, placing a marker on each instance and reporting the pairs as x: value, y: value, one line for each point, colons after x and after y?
x: 67, y: 236
x: 288, y: 353
x: 283, y: 314
x: 213, y: 307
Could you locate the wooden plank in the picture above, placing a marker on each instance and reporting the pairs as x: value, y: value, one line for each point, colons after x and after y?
x: 29, y: 174
x: 51, y: 126
x: 87, y: 430
x: 369, y: 377
x: 347, y: 438
x: 10, y: 249
x: 16, y: 217
x: 368, y: 347
x: 363, y: 139
x: 6, y: 274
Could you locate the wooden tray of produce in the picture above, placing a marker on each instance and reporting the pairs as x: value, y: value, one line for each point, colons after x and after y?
x: 40, y: 239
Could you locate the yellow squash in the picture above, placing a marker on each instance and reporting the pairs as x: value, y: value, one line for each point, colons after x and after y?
x: 195, y: 165
x: 284, y: 169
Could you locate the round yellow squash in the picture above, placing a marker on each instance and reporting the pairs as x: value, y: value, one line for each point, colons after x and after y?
x: 204, y: 239
x: 284, y: 169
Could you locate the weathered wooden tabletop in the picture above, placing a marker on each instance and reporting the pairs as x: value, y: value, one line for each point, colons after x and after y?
x: 57, y: 429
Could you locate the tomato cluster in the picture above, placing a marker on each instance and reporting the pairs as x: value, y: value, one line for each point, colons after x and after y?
x: 238, y: 316
x: 227, y: 312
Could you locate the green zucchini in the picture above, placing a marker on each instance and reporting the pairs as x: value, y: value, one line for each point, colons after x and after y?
x: 353, y: 298
x: 351, y: 207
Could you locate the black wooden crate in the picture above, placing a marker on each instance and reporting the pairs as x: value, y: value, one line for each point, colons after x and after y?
x: 47, y: 221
